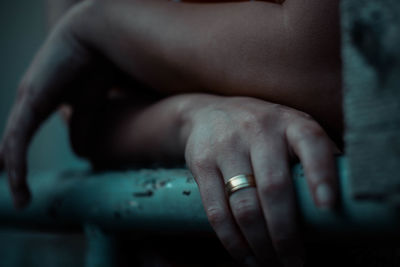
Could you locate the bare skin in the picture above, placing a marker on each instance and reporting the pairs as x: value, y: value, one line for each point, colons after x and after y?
x: 271, y: 52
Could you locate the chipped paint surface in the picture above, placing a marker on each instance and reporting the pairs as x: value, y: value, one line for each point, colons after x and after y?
x: 186, y: 192
x: 167, y: 200
x: 147, y: 193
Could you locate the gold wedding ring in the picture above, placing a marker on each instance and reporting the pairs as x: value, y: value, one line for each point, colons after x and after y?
x: 239, y: 182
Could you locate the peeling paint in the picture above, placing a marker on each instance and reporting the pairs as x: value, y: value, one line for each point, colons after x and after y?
x: 155, y: 184
x: 186, y: 192
x: 147, y: 193
x: 190, y: 180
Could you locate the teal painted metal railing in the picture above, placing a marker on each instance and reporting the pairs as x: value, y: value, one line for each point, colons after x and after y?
x: 168, y: 200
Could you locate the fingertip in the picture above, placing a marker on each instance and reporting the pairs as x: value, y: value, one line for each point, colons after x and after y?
x: 325, y: 196
x: 16, y: 176
x: 19, y: 188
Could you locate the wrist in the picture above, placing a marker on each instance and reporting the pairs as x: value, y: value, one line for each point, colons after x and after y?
x: 189, y: 108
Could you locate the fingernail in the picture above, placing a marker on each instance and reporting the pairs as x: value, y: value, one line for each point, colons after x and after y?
x: 325, y: 196
x: 250, y: 261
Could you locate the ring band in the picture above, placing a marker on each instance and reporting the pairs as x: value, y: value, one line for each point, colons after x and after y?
x: 239, y: 182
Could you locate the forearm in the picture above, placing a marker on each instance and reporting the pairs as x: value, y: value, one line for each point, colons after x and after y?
x: 285, y: 54
x: 136, y: 131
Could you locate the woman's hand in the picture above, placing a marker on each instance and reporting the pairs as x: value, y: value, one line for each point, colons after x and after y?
x: 222, y: 137
x: 238, y: 135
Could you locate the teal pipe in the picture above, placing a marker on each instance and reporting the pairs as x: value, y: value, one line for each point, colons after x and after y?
x: 168, y: 200
x: 101, y: 248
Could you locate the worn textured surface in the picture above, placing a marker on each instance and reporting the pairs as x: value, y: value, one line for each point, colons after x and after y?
x: 371, y: 56
x: 168, y: 201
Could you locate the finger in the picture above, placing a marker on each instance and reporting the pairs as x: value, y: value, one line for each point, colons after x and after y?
x: 15, y: 166
x: 43, y: 88
x: 246, y: 209
x: 14, y: 153
x: 16, y: 170
x: 275, y: 190
x: 212, y: 192
x: 315, y: 150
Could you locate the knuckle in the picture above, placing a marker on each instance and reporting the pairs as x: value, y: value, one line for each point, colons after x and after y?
x: 310, y: 130
x: 293, y: 114
x: 200, y: 164
x: 217, y: 216
x: 255, y: 123
x: 199, y: 158
x: 249, y: 121
x: 227, y: 140
x: 245, y: 210
x: 275, y: 183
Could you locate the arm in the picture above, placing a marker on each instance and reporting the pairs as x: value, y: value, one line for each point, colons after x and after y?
x: 188, y: 47
x: 287, y: 54
x: 131, y: 131
x: 221, y: 137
